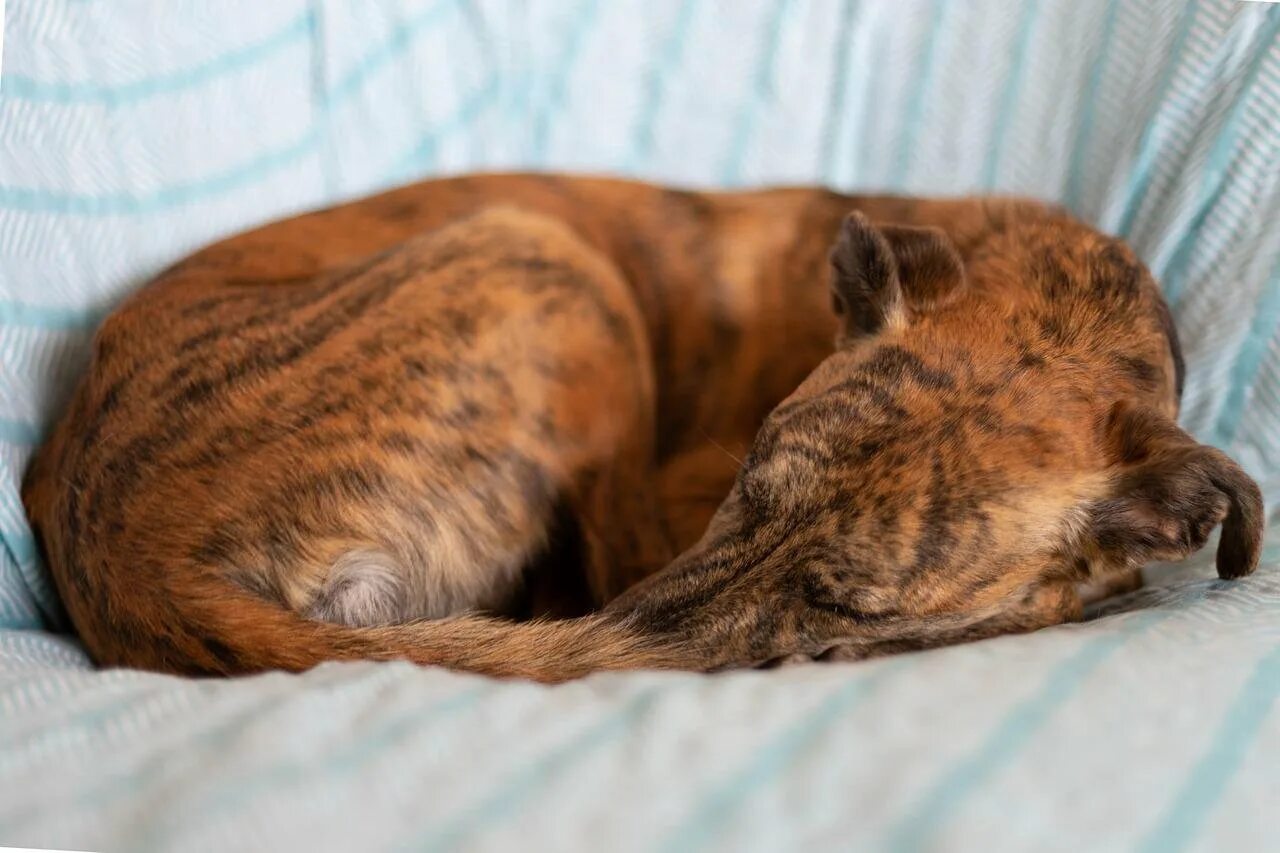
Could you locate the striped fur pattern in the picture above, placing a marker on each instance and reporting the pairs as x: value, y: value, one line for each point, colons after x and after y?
x: 339, y: 435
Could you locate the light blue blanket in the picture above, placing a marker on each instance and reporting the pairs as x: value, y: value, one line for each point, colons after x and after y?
x: 132, y: 132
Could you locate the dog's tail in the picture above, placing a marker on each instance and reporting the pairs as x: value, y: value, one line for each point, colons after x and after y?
x: 227, y: 631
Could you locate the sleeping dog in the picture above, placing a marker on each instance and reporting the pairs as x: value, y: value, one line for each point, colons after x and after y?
x: 690, y: 430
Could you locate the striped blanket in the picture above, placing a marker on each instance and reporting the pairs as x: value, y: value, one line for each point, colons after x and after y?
x: 134, y: 131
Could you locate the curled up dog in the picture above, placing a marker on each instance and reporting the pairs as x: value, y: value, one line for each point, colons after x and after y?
x: 690, y: 430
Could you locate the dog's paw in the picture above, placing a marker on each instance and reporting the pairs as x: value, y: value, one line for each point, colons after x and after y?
x: 1168, y: 495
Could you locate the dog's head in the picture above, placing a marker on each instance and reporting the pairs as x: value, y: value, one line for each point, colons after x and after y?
x: 991, y: 420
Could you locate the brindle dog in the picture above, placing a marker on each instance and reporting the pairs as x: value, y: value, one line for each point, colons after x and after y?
x: 349, y: 434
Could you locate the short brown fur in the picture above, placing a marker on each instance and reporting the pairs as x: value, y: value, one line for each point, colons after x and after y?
x: 340, y: 435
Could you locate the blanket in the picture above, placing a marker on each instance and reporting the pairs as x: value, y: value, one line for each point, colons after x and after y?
x: 133, y: 132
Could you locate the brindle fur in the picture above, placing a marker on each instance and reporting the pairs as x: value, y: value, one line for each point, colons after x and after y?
x: 340, y: 435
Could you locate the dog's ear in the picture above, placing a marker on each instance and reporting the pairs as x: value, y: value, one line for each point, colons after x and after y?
x: 1169, y: 492
x: 929, y: 265
x: 865, y: 289
x: 882, y: 277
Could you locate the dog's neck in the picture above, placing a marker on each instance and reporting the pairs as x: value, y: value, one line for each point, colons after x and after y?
x: 737, y: 303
